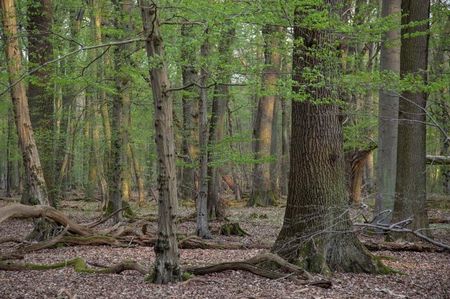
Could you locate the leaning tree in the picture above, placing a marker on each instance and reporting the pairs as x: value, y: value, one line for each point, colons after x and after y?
x: 317, y: 231
x: 34, y: 178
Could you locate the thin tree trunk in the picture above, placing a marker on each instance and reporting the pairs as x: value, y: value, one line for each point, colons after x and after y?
x: 262, y: 193
x: 285, y: 129
x: 202, y: 199
x: 167, y: 267
x: 274, y: 150
x: 236, y: 186
x: 410, y: 188
x: 35, y: 183
x: 11, y: 144
x: 119, y: 167
x: 190, y: 113
x: 138, y: 174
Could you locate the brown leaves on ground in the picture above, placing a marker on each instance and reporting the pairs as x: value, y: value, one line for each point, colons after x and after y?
x: 424, y: 274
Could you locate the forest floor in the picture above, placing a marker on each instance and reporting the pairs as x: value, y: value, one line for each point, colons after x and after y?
x: 423, y: 274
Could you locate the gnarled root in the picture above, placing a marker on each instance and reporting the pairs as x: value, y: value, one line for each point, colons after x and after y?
x: 78, y: 264
x: 266, y: 265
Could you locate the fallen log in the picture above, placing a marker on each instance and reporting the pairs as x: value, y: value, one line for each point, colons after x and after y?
x: 438, y: 160
x: 393, y: 246
x: 400, y: 228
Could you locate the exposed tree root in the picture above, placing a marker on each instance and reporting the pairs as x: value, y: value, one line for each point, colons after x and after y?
x: 78, y: 264
x: 262, y: 265
x: 266, y: 265
x: 41, y: 211
x: 197, y: 243
x: 11, y: 256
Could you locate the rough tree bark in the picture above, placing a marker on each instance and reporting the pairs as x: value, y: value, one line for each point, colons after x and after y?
x: 410, y: 188
x: 217, y: 124
x: 317, y: 228
x: 35, y: 183
x: 262, y: 193
x: 388, y: 113
x: 120, y: 111
x: 39, y: 15
x: 167, y: 268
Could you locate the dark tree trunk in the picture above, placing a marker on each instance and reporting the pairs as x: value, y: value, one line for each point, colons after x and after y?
x: 410, y: 188
x: 119, y: 168
x: 167, y: 268
x: 39, y: 93
x: 317, y: 229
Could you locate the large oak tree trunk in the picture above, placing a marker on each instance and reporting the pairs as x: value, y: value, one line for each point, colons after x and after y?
x: 410, y: 185
x: 35, y: 186
x: 388, y: 113
x: 167, y: 268
x: 317, y: 227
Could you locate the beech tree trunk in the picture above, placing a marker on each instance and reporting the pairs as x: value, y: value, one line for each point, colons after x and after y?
x: 388, y: 113
x: 217, y: 125
x: 167, y: 268
x: 410, y: 185
x: 317, y: 229
x: 36, y: 190
x: 262, y: 193
x: 285, y: 129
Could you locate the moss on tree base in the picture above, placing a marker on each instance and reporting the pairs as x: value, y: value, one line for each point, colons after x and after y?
x: 263, y: 199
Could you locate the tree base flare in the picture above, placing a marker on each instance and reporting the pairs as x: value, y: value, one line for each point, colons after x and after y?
x: 341, y: 253
x: 232, y: 229
x: 263, y: 199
